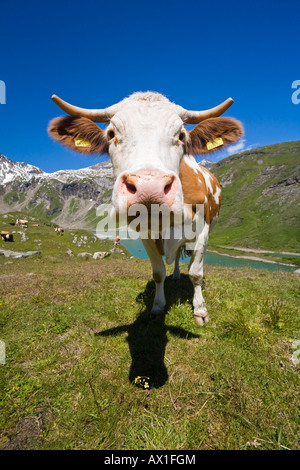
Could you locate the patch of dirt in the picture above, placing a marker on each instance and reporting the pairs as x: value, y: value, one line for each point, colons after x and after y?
x: 27, y: 434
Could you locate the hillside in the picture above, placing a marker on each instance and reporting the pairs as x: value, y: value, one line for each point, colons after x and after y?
x: 67, y: 197
x: 261, y: 199
x: 40, y: 240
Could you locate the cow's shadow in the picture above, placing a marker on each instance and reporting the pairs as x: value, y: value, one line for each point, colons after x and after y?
x: 147, y: 335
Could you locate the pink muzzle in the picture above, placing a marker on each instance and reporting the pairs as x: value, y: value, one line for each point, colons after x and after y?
x: 148, y: 187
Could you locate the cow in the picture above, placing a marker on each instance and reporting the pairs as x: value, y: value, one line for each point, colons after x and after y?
x: 23, y: 223
x: 152, y: 151
x: 59, y: 230
x: 6, y: 236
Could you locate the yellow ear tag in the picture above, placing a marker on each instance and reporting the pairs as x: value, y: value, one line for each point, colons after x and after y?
x: 81, y: 142
x: 214, y: 143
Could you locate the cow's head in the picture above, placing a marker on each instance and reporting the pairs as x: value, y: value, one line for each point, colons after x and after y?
x: 146, y: 140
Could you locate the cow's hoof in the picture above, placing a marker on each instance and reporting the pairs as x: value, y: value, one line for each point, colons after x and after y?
x: 157, y: 310
x: 201, y: 317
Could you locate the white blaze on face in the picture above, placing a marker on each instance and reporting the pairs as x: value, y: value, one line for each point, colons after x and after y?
x: 146, y: 137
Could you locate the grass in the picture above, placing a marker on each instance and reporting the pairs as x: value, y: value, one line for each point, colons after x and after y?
x: 43, y: 238
x: 78, y: 332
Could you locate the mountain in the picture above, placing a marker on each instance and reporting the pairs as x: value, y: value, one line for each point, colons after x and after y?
x: 67, y: 197
x: 206, y: 163
x: 10, y: 170
x: 261, y: 199
x: 100, y: 170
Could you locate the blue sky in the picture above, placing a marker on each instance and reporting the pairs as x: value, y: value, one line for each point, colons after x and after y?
x: 197, y: 53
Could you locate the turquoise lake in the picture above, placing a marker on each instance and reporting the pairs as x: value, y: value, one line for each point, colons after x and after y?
x: 136, y: 248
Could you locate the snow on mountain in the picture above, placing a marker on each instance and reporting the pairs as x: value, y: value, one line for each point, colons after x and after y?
x: 206, y: 163
x: 10, y: 170
x: 100, y: 170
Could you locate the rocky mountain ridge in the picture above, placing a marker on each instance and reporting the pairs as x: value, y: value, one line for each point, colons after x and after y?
x: 68, y: 197
x: 11, y: 170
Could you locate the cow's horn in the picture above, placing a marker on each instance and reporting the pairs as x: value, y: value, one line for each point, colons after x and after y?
x: 194, y: 117
x: 96, y: 115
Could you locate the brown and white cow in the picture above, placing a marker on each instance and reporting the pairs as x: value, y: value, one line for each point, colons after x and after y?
x: 151, y: 153
x: 117, y: 240
x: 22, y: 223
x: 59, y: 230
x: 6, y: 236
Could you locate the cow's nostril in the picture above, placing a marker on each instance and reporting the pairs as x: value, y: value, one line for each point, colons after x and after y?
x: 130, y: 187
x: 168, y: 186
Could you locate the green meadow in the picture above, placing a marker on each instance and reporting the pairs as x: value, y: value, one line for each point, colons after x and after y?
x: 79, y: 338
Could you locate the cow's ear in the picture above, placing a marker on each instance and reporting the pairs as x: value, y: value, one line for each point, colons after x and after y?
x: 213, y: 134
x: 78, y: 133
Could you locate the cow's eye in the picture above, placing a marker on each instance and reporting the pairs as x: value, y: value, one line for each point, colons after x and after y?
x: 181, y: 136
x: 111, y: 134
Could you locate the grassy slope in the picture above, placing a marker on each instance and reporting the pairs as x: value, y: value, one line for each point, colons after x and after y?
x: 251, y: 219
x: 77, y: 333
x: 44, y: 238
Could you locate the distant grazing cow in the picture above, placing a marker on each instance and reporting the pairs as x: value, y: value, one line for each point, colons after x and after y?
x: 151, y: 153
x: 6, y: 236
x: 59, y: 230
x: 23, y: 223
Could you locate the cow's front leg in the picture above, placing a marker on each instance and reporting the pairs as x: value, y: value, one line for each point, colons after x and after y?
x: 159, y: 275
x: 196, y: 276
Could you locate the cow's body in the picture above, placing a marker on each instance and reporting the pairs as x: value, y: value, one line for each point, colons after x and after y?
x: 200, y: 188
x: 59, y: 230
x: 6, y: 236
x: 151, y: 153
x: 22, y: 223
